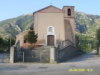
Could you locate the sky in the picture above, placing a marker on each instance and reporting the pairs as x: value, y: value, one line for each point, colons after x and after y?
x: 14, y: 8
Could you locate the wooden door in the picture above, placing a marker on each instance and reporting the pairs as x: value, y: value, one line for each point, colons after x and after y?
x: 50, y: 40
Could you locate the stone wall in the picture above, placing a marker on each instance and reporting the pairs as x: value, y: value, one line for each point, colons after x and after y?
x: 4, y: 58
x: 45, y: 54
x: 36, y: 55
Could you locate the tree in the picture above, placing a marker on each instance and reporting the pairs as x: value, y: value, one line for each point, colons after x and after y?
x: 31, y: 27
x: 1, y: 44
x: 9, y: 42
x: 85, y: 43
x: 98, y: 35
x: 31, y: 37
x: 98, y: 40
x: 5, y: 44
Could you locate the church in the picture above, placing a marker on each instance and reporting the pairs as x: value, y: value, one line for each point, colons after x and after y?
x: 53, y: 25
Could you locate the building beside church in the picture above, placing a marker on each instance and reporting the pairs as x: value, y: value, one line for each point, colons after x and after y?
x: 53, y: 25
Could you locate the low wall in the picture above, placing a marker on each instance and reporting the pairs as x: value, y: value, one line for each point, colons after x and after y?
x: 44, y: 54
x: 38, y: 55
x: 4, y: 58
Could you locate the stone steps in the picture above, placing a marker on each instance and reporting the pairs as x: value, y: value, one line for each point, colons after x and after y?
x: 67, y: 53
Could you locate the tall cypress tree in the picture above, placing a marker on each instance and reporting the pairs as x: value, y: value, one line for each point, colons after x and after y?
x: 98, y: 36
x: 98, y: 41
x: 31, y: 37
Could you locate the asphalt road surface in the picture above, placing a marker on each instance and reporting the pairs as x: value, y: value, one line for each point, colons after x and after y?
x: 88, y: 64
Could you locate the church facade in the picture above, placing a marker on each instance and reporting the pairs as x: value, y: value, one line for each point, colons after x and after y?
x: 53, y: 25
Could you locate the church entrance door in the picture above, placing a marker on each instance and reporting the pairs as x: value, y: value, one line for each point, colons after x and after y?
x: 50, y: 40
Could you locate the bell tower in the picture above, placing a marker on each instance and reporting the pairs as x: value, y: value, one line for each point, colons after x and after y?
x: 68, y: 11
x: 69, y: 22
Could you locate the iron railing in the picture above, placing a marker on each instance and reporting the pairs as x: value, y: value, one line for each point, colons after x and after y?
x: 64, y: 44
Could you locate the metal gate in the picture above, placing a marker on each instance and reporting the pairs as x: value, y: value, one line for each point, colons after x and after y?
x: 35, y: 55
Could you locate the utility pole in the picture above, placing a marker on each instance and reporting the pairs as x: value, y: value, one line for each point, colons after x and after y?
x: 10, y: 40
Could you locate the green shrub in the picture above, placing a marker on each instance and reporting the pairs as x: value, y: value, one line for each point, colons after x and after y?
x: 85, y: 43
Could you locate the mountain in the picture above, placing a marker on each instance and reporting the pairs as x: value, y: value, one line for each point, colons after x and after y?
x: 14, y: 26
x: 85, y: 23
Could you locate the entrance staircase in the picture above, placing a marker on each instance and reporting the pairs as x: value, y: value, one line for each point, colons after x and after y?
x: 66, y: 50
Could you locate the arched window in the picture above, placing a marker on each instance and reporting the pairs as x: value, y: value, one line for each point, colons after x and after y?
x: 51, y: 29
x: 69, y: 12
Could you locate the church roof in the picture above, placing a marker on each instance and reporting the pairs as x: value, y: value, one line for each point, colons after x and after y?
x: 49, y: 9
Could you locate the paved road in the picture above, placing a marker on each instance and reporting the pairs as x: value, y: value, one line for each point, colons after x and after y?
x: 88, y: 64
